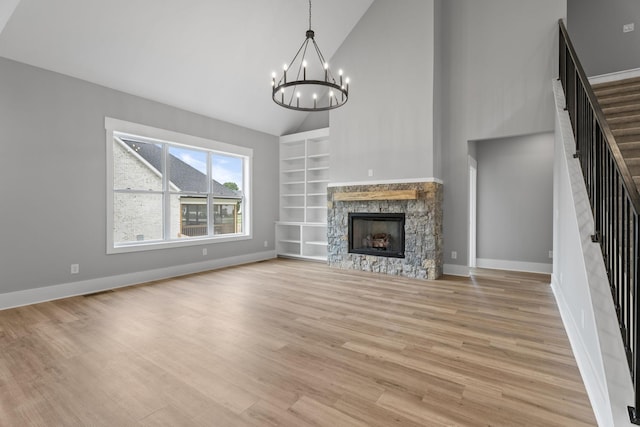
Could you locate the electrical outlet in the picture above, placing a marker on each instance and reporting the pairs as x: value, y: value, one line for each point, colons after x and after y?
x: 204, y: 251
x: 551, y: 254
x: 75, y: 268
x: 454, y: 255
x: 370, y: 172
x: 627, y: 28
x: 266, y: 243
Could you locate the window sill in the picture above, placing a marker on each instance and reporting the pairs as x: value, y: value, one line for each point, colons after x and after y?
x: 150, y: 246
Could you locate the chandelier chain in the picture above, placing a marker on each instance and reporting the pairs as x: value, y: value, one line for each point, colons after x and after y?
x: 309, y: 14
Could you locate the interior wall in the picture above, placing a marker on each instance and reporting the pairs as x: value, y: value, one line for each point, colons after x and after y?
x: 500, y: 57
x: 313, y: 121
x: 595, y: 28
x: 53, y: 170
x: 515, y: 200
x: 387, y: 124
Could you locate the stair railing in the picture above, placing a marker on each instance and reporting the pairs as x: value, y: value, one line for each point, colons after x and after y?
x: 614, y: 200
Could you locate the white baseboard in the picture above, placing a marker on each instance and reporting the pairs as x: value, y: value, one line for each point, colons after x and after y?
x: 501, y: 264
x: 65, y: 290
x: 589, y: 373
x: 456, y: 270
x: 612, y: 77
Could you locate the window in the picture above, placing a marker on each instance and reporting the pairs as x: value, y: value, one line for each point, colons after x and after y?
x: 168, y: 189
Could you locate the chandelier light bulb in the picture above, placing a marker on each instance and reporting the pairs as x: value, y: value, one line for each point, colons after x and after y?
x: 285, y: 67
x: 297, y: 94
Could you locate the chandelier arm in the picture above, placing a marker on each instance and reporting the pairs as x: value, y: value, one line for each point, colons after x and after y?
x: 322, y: 60
x: 294, y: 58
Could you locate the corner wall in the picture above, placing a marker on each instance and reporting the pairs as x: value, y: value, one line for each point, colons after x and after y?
x: 595, y: 27
x: 53, y: 174
x: 499, y: 57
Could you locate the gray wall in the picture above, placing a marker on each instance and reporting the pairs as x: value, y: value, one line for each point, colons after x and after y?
x: 515, y: 198
x: 387, y: 125
x: 595, y: 28
x: 313, y: 121
x: 500, y: 57
x: 53, y: 174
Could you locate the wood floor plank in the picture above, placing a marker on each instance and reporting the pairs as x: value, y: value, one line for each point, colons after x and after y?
x: 293, y: 343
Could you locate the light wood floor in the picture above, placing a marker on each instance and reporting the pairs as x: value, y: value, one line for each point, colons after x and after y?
x: 293, y: 343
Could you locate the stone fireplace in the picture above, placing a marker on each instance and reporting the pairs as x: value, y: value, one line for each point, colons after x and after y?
x: 377, y: 208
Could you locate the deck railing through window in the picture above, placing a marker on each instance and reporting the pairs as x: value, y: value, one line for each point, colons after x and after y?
x: 614, y: 199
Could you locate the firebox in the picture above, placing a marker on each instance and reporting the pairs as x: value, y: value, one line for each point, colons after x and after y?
x: 380, y: 234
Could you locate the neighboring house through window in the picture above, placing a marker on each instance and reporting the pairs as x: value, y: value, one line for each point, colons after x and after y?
x: 169, y: 189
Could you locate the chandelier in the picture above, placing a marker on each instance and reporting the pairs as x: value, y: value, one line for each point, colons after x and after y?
x: 309, y: 84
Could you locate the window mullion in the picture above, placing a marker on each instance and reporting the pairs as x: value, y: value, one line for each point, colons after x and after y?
x: 166, y: 196
x: 210, y: 227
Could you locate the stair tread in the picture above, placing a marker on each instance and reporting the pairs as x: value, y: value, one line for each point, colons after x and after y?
x: 625, y: 119
x: 621, y: 110
x: 626, y: 131
x: 617, y: 91
x: 615, y: 83
x: 621, y: 99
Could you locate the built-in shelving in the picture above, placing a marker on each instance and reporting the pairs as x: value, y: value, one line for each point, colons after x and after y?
x: 301, y: 231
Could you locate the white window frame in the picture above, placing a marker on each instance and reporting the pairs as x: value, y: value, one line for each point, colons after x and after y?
x: 115, y: 127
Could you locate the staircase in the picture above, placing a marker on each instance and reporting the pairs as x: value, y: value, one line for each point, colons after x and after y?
x: 620, y: 102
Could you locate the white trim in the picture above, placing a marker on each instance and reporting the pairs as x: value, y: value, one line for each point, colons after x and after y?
x: 171, y: 137
x: 49, y: 293
x: 168, y: 244
x: 456, y: 270
x: 612, y: 77
x: 503, y: 264
x: 586, y: 365
x: 386, y: 181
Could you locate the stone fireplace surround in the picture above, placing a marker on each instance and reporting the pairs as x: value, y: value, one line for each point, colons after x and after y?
x: 422, y: 204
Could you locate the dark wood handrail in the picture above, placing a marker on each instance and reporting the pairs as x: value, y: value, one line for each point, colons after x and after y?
x: 628, y: 182
x: 614, y: 200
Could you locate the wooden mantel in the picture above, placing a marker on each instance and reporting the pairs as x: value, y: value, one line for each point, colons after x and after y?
x: 376, y: 195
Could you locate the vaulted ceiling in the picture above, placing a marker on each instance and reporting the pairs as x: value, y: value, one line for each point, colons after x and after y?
x: 212, y: 57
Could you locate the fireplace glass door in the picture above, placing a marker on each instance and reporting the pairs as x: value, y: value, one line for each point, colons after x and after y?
x: 380, y: 234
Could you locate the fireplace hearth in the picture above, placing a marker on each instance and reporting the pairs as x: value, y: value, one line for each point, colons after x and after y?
x: 380, y: 234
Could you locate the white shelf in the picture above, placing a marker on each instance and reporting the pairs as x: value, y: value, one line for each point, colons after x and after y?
x: 301, y: 231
